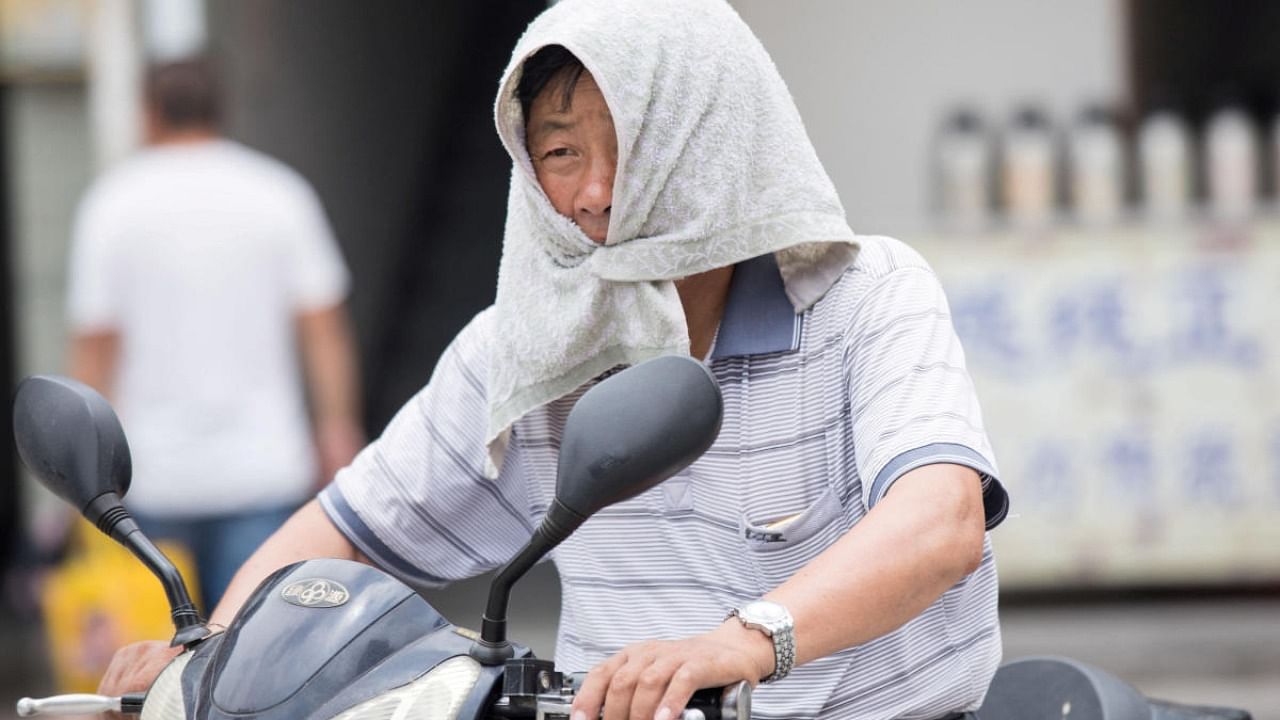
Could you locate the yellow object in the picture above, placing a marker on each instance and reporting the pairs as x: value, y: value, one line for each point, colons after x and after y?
x: 100, y: 599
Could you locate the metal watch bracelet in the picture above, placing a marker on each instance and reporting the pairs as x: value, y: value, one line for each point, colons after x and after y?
x: 776, y: 623
x: 784, y: 654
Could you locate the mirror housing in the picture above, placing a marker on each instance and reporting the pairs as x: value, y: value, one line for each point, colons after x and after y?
x: 634, y: 430
x: 69, y: 436
x: 625, y: 435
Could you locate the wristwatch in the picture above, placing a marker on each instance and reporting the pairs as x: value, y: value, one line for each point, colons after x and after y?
x: 775, y: 622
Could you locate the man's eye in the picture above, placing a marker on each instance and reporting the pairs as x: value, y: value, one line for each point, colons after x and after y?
x: 557, y: 152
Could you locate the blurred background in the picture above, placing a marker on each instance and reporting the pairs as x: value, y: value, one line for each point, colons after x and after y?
x: 1095, y: 182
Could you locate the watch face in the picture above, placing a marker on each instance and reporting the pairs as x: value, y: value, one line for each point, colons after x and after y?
x: 763, y: 611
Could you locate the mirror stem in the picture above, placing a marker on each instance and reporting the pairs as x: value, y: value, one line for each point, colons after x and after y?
x: 109, y: 515
x: 493, y: 648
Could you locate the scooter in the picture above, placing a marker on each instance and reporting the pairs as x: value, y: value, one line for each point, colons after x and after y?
x: 338, y: 640
x: 1057, y: 688
x: 332, y: 639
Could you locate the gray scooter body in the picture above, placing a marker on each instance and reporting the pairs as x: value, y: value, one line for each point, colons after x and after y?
x: 318, y: 637
x: 1054, y: 688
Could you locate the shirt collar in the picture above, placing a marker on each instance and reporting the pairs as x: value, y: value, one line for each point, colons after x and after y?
x: 758, y: 316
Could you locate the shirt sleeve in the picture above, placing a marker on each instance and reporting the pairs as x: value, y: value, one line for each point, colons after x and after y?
x: 912, y: 399
x: 416, y: 501
x: 95, y: 266
x: 318, y: 276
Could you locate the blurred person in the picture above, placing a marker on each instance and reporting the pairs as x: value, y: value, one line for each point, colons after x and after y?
x: 204, y: 280
x: 666, y: 199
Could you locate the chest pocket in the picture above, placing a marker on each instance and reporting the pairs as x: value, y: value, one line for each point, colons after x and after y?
x: 791, y: 507
x: 779, y: 548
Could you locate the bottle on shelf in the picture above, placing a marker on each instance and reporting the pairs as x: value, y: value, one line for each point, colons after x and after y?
x: 1164, y: 159
x: 1231, y: 164
x: 963, y: 166
x: 1096, y: 167
x: 1028, y: 190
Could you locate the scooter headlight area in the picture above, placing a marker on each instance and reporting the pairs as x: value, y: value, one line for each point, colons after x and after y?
x: 164, y: 699
x: 438, y: 695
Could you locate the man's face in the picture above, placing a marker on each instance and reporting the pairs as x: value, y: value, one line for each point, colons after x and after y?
x: 575, y: 153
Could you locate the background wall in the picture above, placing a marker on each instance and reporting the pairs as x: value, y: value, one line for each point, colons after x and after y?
x: 874, y: 78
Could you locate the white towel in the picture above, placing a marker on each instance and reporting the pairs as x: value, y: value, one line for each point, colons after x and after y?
x: 714, y: 167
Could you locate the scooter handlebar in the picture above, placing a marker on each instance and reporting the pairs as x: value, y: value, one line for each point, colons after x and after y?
x: 79, y: 704
x: 73, y: 704
x: 732, y: 702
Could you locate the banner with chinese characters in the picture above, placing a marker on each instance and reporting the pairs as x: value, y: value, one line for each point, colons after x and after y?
x: 1130, y: 383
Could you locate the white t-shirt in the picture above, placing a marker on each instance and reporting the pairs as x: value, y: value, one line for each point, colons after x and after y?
x: 201, y: 256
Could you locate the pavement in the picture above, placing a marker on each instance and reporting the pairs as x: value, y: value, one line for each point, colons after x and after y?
x: 1203, y: 650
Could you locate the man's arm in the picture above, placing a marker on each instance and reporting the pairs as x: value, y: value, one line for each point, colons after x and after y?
x: 308, y: 534
x: 92, y: 359
x: 329, y: 359
x: 923, y: 537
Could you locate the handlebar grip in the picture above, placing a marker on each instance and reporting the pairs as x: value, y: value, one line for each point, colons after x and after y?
x: 732, y: 702
x: 73, y: 704
x: 131, y: 703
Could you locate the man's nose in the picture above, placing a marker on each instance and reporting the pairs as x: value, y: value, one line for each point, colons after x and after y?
x: 596, y: 196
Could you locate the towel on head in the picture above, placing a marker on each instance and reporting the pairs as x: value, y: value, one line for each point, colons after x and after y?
x: 714, y: 167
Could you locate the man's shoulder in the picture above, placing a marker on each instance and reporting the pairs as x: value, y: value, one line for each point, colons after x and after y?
x: 263, y: 172
x: 879, y: 257
x: 115, y: 194
x: 219, y: 162
x: 261, y: 162
x: 119, y: 182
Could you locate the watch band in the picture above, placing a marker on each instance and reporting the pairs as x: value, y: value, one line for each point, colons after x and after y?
x: 784, y: 654
x: 778, y: 626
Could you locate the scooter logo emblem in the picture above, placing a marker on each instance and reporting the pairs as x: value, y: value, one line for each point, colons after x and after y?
x: 315, y: 593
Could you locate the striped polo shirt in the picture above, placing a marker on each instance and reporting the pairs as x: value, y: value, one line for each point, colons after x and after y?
x: 824, y: 410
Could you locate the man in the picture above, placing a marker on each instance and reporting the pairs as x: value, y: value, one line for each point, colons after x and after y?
x: 665, y: 199
x: 199, y: 270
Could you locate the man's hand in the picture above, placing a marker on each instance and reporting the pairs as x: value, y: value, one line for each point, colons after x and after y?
x: 134, y: 667
x: 654, y: 680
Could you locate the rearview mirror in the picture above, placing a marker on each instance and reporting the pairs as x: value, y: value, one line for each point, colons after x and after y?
x: 69, y: 436
x: 71, y: 439
x: 634, y: 430
x: 624, y: 436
